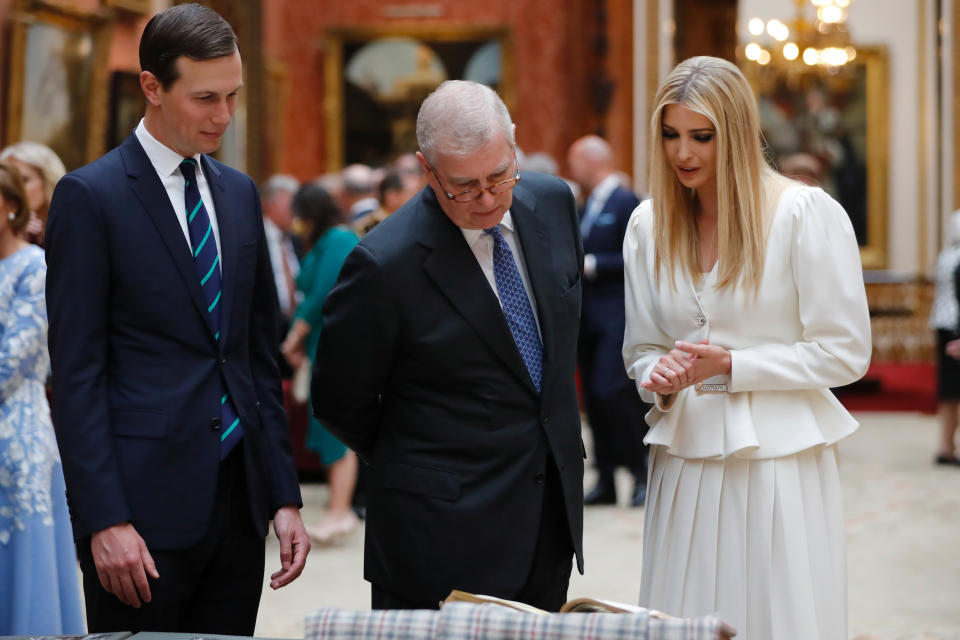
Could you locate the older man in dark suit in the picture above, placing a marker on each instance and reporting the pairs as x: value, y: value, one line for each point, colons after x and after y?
x: 613, y: 406
x: 163, y: 329
x: 447, y: 361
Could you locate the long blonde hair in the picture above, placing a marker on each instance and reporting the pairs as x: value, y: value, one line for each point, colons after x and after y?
x: 716, y: 89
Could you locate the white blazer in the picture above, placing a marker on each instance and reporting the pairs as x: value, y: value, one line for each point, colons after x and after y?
x: 807, y: 330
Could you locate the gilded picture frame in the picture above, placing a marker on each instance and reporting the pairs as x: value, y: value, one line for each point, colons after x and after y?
x: 58, y: 81
x: 833, y: 130
x: 380, y: 75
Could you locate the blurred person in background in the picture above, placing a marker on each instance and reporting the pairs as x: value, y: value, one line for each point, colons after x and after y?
x: 358, y: 197
x: 945, y: 320
x: 41, y: 169
x: 328, y: 242
x: 278, y: 226
x: 38, y: 568
x: 394, y: 190
x: 613, y: 405
x: 541, y: 162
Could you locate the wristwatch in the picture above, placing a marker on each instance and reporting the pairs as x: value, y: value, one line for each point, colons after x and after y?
x: 710, y: 388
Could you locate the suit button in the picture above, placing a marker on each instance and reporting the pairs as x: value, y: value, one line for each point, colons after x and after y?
x: 545, y: 418
x: 223, y: 361
x: 539, y: 478
x: 214, y: 423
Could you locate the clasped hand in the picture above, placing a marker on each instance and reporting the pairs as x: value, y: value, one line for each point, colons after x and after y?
x: 686, y: 365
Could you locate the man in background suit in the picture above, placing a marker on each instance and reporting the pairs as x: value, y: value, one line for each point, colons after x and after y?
x: 277, y: 226
x: 612, y: 404
x: 447, y: 362
x: 166, y: 396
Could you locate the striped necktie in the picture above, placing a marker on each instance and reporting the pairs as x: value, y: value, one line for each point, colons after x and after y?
x: 206, y: 260
x: 516, y: 306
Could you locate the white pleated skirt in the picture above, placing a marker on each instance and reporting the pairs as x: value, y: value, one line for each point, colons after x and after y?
x: 761, y: 542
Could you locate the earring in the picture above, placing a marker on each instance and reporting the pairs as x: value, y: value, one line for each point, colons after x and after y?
x: 11, y: 216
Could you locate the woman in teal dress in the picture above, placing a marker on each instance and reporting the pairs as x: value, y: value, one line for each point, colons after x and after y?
x: 329, y: 241
x: 39, y: 587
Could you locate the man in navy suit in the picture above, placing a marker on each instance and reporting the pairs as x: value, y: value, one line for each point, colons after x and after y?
x: 612, y: 403
x: 166, y: 396
x: 447, y: 362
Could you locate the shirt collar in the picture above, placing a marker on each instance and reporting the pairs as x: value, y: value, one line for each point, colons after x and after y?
x: 602, y: 191
x: 164, y: 159
x: 472, y: 235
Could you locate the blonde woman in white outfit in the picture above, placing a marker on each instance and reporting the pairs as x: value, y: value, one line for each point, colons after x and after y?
x: 745, y: 304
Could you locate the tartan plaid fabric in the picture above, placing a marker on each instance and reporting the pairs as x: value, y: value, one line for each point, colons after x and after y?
x: 466, y: 621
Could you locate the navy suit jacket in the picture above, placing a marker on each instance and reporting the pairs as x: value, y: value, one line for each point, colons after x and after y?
x: 603, y: 293
x: 418, y: 372
x: 136, y: 370
x: 603, y: 318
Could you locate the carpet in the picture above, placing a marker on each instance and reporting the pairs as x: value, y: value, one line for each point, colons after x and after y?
x: 893, y: 387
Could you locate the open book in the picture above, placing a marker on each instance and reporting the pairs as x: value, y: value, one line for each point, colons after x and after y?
x: 577, y: 605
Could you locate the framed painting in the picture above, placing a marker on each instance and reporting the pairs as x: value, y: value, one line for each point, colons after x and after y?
x: 832, y: 129
x: 58, y: 81
x: 376, y: 79
x: 127, y: 106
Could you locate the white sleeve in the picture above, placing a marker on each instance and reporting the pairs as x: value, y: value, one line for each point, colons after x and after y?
x: 644, y: 342
x: 835, y: 345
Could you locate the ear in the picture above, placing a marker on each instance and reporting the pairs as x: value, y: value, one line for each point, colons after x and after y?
x: 151, y: 87
x: 423, y: 162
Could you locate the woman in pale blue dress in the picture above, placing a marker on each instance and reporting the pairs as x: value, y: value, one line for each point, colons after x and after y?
x: 38, y: 568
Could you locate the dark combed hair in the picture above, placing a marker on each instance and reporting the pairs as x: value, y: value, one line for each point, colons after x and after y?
x: 190, y: 30
x: 312, y: 203
x: 392, y: 181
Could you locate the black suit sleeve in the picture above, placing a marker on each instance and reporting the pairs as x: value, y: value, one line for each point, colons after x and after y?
x: 355, y: 355
x: 78, y: 299
x: 263, y: 340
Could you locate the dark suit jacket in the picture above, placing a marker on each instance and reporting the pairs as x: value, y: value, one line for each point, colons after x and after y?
x: 417, y: 371
x: 603, y: 319
x: 136, y: 369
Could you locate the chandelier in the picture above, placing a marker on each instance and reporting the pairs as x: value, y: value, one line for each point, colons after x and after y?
x: 821, y: 41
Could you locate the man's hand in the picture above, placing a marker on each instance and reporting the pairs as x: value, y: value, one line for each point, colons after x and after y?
x: 123, y: 563
x: 294, y: 545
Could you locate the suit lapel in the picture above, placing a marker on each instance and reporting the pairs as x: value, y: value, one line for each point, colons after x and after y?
x: 454, y: 269
x: 532, y: 231
x: 225, y: 211
x: 146, y: 185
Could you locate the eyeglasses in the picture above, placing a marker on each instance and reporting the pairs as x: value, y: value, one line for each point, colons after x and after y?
x: 472, y: 194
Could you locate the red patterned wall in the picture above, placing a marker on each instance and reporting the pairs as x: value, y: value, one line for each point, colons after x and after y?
x: 546, y: 34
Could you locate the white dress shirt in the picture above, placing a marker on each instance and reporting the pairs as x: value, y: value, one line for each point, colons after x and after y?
x: 166, y: 162
x: 807, y: 330
x: 596, y: 202
x: 481, y: 243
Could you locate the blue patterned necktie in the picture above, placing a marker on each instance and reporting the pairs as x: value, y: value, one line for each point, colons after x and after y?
x: 516, y: 306
x: 206, y: 260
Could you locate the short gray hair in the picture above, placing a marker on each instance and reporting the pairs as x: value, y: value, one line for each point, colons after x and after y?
x: 461, y: 116
x: 280, y: 183
x: 40, y: 157
x: 358, y: 179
